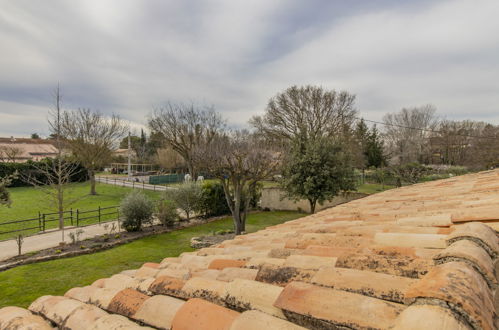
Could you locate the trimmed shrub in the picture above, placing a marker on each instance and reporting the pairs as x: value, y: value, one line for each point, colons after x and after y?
x: 136, y: 208
x: 186, y: 197
x: 31, y: 168
x: 213, y: 202
x: 167, y: 212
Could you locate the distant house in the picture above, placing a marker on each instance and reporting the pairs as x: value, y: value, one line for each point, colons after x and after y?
x: 20, y: 150
x: 124, y: 153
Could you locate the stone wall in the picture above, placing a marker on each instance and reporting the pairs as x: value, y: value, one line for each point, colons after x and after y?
x: 272, y: 198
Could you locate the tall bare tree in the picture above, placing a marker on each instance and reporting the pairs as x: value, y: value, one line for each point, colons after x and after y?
x: 239, y: 160
x: 91, y: 137
x: 53, y: 175
x: 186, y: 127
x: 307, y: 113
x: 407, y: 133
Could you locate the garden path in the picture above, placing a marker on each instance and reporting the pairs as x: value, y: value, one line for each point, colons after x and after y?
x: 50, y: 239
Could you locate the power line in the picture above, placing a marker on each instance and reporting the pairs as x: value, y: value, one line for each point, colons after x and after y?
x: 428, y: 129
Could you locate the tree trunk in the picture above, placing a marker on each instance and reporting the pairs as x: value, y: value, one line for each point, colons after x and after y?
x: 190, y: 168
x: 91, y: 175
x: 312, y: 205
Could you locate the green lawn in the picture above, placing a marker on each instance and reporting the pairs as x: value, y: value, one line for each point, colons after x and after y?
x: 21, y: 285
x: 372, y: 188
x: 28, y: 201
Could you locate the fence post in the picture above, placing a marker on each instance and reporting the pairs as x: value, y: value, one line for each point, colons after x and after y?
x: 118, y: 213
x: 71, y: 215
x: 39, y: 221
x: 99, y: 214
x: 43, y: 222
x: 77, y: 218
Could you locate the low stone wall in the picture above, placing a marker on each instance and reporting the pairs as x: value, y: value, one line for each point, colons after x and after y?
x: 272, y: 198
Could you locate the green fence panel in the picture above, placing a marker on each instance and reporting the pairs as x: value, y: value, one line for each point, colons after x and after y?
x: 169, y: 178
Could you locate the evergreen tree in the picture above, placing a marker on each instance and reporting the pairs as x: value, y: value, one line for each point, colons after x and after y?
x: 362, y: 135
x: 317, y: 170
x: 374, y: 150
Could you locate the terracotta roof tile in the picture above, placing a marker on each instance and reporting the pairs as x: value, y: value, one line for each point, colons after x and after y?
x: 167, y: 285
x: 317, y: 307
x: 158, y: 311
x: 255, y: 320
x: 207, y: 289
x: 201, y: 314
x: 411, y: 240
x: 258, y: 262
x: 462, y: 288
x: 280, y: 275
x: 20, y: 318
x: 394, y: 265
x: 244, y: 295
x: 478, y: 233
x: 225, y: 263
x: 419, y: 317
x: 382, y: 286
x: 115, y: 322
x: 474, y: 255
x: 309, y: 262
x: 231, y: 273
x: 81, y: 317
x: 437, y: 220
x: 127, y: 302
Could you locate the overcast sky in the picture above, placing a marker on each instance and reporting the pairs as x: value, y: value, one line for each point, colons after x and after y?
x: 126, y: 57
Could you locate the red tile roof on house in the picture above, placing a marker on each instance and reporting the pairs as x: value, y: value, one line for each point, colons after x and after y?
x: 418, y: 257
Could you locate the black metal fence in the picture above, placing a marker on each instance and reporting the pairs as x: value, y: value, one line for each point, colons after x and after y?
x: 45, y: 221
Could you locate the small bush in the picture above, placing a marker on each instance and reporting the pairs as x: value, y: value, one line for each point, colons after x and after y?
x: 136, y: 209
x: 213, y: 200
x: 186, y: 197
x: 167, y: 213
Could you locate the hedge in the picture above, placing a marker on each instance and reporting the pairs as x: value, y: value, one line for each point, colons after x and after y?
x: 31, y: 168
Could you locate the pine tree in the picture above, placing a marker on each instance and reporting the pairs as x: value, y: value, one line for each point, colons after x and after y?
x: 374, y: 149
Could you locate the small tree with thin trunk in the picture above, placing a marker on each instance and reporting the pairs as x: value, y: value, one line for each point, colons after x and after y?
x: 186, y: 128
x: 55, y: 173
x: 317, y: 171
x: 92, y: 137
x: 239, y: 160
x: 186, y: 197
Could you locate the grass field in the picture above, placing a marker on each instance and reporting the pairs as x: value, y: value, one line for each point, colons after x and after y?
x: 20, y: 286
x: 372, y: 188
x: 28, y: 201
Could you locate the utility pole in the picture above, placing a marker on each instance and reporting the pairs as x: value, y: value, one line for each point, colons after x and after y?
x: 129, y: 157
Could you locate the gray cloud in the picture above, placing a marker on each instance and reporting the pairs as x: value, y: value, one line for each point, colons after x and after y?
x: 128, y: 56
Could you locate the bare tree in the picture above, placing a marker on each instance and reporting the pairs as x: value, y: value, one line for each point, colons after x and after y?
x: 92, y: 138
x: 19, y: 241
x: 239, y: 160
x: 52, y: 176
x: 307, y: 113
x: 186, y: 127
x: 10, y: 153
x: 407, y: 133
x: 168, y: 158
